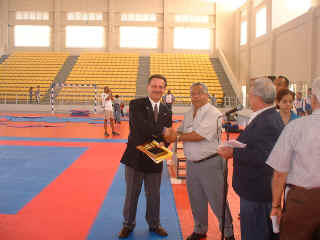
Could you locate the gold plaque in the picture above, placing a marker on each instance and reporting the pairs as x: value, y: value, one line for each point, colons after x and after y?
x: 154, y: 151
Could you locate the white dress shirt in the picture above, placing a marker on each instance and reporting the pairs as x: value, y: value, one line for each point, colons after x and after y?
x: 297, y: 151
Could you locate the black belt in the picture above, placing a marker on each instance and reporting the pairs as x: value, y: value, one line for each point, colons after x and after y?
x: 204, y: 159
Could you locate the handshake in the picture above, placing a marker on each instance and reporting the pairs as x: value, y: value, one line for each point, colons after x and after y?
x: 169, y: 134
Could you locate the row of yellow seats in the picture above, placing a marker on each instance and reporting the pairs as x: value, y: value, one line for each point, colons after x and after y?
x: 35, y: 61
x: 103, y: 77
x: 106, y: 67
x: 24, y: 78
x: 104, y: 71
x: 27, y: 81
x: 28, y: 65
x: 192, y: 80
x: 187, y: 76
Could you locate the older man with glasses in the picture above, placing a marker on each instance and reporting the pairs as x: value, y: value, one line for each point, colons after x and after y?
x: 205, y: 182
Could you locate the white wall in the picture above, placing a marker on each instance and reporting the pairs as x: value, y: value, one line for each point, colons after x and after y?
x: 225, y: 34
x: 291, y: 49
x: 112, y: 9
x: 3, y: 26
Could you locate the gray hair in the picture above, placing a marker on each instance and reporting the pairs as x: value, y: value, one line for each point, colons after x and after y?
x: 204, y: 87
x: 316, y: 88
x: 264, y: 88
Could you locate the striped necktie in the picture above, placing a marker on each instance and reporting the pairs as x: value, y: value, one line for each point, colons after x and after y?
x: 155, y: 112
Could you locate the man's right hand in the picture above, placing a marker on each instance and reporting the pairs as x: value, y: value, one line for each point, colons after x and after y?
x: 169, y: 134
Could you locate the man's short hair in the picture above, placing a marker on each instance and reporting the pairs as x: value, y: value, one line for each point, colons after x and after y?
x: 204, y: 87
x: 272, y: 77
x: 285, y: 79
x: 158, y: 76
x: 264, y: 88
x: 316, y: 88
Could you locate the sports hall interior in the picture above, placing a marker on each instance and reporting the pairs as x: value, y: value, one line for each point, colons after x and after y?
x: 60, y: 177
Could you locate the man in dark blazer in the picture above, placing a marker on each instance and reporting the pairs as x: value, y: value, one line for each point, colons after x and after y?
x: 251, y: 175
x: 147, y: 119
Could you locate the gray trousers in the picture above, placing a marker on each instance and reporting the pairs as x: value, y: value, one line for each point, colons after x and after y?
x: 152, y: 182
x: 205, y: 183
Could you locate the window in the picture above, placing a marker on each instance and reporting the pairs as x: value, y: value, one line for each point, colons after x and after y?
x: 32, y: 15
x: 243, y: 33
x: 257, y: 2
x: 191, y: 19
x: 284, y: 11
x: 192, y: 38
x: 138, y: 37
x: 31, y: 36
x: 261, y: 22
x: 132, y: 17
x: 84, y: 16
x: 85, y: 37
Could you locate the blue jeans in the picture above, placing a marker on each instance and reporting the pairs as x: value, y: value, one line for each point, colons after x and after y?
x: 255, y: 222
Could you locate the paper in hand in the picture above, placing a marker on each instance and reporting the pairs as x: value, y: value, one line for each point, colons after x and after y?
x: 233, y: 144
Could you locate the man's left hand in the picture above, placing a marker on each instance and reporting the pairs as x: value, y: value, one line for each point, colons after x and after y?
x: 225, y: 152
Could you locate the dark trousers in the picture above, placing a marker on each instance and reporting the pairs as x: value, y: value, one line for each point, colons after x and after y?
x: 152, y: 182
x: 255, y: 220
x: 301, y: 218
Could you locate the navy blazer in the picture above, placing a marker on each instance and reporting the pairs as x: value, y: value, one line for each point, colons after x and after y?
x: 143, y: 129
x: 251, y: 175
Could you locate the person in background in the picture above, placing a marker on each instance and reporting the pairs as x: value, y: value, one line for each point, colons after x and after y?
x: 117, y: 110
x: 106, y: 101
x: 308, y: 102
x: 296, y: 163
x: 122, y: 108
x: 169, y: 99
x: 251, y: 175
x: 281, y: 82
x: 284, y: 100
x: 213, y: 99
x: 30, y: 94
x: 37, y: 94
x: 300, y: 104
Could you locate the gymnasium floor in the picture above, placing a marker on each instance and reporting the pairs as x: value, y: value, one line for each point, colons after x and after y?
x: 61, y: 179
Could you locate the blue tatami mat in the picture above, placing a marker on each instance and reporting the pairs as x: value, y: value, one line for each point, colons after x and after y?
x: 26, y: 170
x: 109, y: 220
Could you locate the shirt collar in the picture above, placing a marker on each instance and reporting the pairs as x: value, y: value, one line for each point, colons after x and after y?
x: 154, y: 103
x: 202, y: 108
x: 255, y: 114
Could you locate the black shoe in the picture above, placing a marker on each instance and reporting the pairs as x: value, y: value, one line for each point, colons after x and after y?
x: 196, y: 236
x: 230, y: 238
x: 159, y: 231
x: 106, y: 134
x: 125, y: 232
x: 115, y: 134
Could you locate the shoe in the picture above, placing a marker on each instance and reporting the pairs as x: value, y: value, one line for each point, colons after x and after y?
x: 159, y: 231
x: 115, y: 134
x: 230, y: 238
x: 125, y: 232
x: 106, y: 134
x: 196, y: 236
